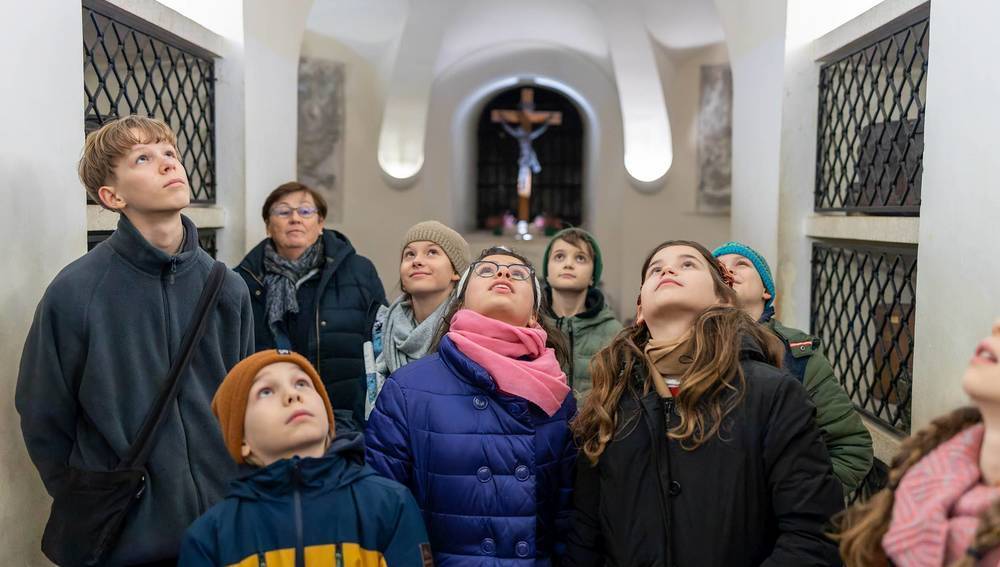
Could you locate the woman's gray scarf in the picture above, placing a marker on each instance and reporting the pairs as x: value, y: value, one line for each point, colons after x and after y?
x: 282, y: 278
x: 403, y: 340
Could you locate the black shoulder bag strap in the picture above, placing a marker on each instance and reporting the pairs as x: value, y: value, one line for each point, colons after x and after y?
x: 143, y: 445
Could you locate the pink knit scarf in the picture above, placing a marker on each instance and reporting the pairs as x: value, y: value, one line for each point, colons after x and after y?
x: 938, y: 503
x: 515, y: 357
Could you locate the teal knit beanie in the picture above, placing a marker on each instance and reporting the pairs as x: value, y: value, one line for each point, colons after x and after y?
x: 598, y: 263
x: 758, y: 262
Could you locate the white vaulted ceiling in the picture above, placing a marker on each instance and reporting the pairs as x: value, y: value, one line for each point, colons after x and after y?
x: 411, y: 43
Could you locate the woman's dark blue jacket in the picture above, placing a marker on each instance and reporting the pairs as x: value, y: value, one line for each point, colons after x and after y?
x: 337, y: 309
x: 492, y: 472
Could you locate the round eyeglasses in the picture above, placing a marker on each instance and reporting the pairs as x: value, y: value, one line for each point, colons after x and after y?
x: 490, y: 269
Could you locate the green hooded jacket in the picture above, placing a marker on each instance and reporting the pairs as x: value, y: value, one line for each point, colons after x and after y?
x: 847, y: 439
x: 587, y: 332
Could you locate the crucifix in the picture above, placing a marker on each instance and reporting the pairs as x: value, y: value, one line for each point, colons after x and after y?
x: 527, y: 163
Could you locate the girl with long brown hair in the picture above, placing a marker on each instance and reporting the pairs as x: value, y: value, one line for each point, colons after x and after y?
x: 942, y: 503
x: 695, y: 448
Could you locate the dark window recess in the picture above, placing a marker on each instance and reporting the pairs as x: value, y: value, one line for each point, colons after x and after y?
x: 206, y: 238
x: 863, y: 308
x: 876, y: 480
x: 129, y: 71
x: 557, y: 191
x: 870, y: 142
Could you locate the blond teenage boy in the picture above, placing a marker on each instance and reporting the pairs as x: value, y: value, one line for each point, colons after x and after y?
x: 105, y: 334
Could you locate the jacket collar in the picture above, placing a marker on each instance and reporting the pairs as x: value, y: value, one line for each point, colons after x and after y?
x: 133, y: 247
x: 464, y: 367
x: 593, y: 306
x: 342, y: 465
x: 336, y: 247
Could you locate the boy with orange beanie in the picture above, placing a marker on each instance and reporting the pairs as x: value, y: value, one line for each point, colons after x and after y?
x: 310, y: 499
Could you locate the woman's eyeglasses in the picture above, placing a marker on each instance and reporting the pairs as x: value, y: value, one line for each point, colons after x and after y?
x: 490, y: 269
x: 285, y: 212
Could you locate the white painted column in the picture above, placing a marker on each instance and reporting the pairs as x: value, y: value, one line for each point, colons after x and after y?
x: 272, y: 42
x: 755, y: 36
x: 958, y: 284
x: 43, y: 222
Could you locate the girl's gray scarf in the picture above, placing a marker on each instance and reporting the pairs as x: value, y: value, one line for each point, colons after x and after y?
x: 282, y: 278
x: 403, y: 340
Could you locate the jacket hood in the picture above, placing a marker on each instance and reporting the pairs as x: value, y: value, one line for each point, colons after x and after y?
x: 598, y: 257
x: 342, y: 465
x: 336, y: 247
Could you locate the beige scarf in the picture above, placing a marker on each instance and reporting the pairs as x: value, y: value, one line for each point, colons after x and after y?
x: 668, y: 360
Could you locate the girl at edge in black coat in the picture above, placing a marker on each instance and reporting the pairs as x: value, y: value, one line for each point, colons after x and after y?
x: 695, y: 449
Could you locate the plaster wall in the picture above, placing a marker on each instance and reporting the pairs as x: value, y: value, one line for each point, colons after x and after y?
x: 45, y: 203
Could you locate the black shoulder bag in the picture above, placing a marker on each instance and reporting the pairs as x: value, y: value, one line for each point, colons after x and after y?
x: 88, y: 516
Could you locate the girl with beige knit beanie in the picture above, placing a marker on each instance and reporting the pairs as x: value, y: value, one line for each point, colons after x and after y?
x: 432, y: 258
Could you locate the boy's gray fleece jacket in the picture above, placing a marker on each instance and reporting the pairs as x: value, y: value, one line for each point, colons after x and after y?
x: 99, y: 348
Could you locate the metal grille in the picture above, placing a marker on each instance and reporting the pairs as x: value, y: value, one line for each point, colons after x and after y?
x: 558, y: 189
x: 871, y: 126
x: 876, y: 479
x: 863, y: 307
x: 128, y: 71
x: 206, y: 239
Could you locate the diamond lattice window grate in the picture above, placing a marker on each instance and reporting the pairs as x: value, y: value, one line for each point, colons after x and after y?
x: 863, y: 308
x: 128, y: 71
x: 871, y: 126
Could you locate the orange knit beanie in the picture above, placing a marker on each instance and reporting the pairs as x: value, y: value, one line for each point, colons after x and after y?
x: 230, y: 402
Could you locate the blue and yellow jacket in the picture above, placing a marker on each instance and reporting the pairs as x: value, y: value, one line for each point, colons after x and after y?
x: 330, y: 511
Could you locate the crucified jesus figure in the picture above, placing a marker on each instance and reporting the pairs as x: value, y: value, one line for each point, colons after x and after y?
x: 527, y: 162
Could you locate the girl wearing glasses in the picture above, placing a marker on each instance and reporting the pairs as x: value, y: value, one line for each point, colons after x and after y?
x: 433, y: 258
x: 311, y: 293
x: 479, y: 429
x: 696, y: 450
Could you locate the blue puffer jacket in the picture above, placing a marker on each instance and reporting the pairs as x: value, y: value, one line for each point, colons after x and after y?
x: 331, y: 510
x: 491, y: 472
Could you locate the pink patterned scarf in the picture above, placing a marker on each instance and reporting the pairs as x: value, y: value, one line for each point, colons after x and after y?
x: 938, y: 503
x: 515, y: 357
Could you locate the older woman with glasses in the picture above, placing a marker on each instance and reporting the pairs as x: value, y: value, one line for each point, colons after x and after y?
x: 313, y: 294
x: 478, y: 430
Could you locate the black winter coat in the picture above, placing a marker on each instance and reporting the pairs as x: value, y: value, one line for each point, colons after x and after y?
x: 343, y: 300
x: 762, y: 494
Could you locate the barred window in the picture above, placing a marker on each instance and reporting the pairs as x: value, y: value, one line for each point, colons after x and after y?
x: 557, y: 191
x: 863, y: 307
x: 145, y: 72
x: 870, y: 142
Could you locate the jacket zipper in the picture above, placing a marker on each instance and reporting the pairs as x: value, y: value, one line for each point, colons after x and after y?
x: 316, y: 301
x: 572, y: 359
x: 667, y: 406
x: 300, y: 552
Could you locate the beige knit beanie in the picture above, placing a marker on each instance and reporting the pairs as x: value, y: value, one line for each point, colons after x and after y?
x: 454, y: 246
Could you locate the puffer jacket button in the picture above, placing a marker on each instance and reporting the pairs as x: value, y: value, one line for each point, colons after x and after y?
x: 322, y: 323
x: 257, y: 293
x: 675, y: 488
x: 515, y: 409
x: 488, y: 546
x: 522, y: 549
x: 479, y: 402
x: 484, y: 474
x: 522, y: 473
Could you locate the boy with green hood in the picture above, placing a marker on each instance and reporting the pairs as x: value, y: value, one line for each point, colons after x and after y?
x: 571, y: 270
x: 847, y: 438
